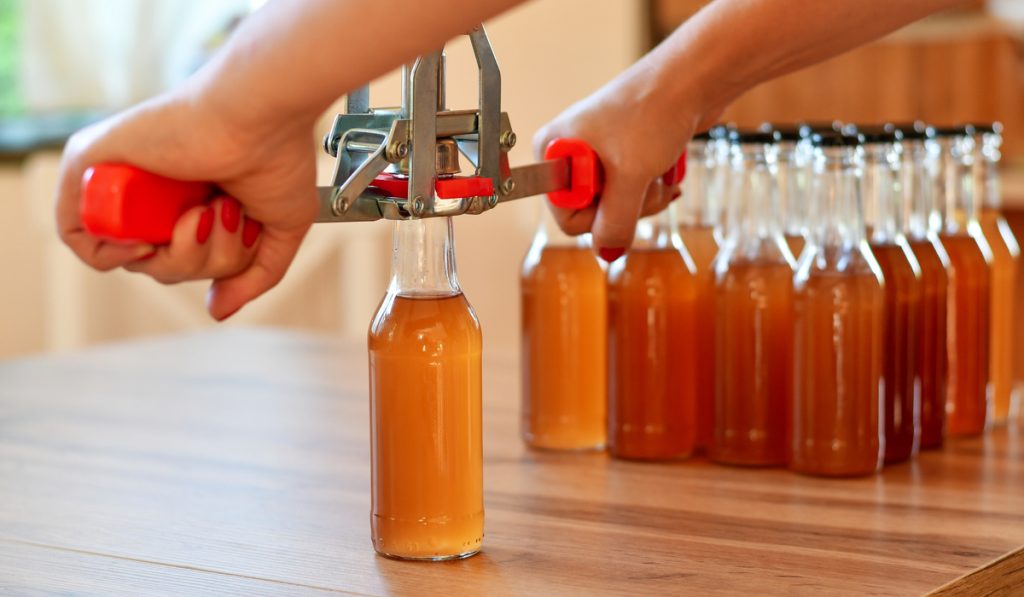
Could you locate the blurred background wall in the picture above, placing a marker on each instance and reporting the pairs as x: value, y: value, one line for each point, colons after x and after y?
x: 62, y: 62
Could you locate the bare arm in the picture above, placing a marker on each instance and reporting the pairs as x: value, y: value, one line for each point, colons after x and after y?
x: 245, y: 122
x: 640, y: 121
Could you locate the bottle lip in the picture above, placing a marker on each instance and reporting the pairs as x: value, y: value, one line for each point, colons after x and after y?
x: 821, y: 126
x: 986, y: 128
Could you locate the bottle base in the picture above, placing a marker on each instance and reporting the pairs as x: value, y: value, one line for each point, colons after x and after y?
x: 444, y: 558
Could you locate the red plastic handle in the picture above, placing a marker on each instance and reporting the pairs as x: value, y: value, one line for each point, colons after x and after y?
x: 122, y: 202
x: 586, y: 175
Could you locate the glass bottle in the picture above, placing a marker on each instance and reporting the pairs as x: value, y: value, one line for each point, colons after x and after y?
x: 652, y: 346
x: 921, y: 228
x: 753, y: 314
x: 698, y: 214
x: 425, y: 406
x: 564, y: 342
x: 839, y: 304
x: 883, y: 191
x: 969, y: 285
x: 794, y: 161
x: 1005, y: 260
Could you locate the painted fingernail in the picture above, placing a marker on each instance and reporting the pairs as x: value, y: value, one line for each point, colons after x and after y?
x: 610, y: 255
x: 230, y: 214
x: 250, y: 232
x: 205, y: 226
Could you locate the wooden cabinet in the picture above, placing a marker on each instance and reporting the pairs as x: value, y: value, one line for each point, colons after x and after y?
x: 955, y: 67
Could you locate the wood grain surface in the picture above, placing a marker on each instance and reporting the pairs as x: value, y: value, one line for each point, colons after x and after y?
x: 237, y: 462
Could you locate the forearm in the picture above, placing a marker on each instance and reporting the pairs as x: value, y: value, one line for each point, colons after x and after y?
x: 731, y: 46
x: 293, y: 58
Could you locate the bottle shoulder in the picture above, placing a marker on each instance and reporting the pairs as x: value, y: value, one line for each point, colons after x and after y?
x: 425, y: 325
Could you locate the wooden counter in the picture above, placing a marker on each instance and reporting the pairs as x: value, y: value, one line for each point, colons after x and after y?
x: 237, y: 462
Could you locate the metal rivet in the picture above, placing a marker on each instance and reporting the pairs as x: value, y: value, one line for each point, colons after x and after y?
x: 508, y: 186
x: 402, y: 150
x: 340, y: 205
x: 492, y: 200
x: 417, y: 206
x: 508, y: 139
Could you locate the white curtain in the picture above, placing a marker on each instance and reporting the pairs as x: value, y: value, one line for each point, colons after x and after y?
x: 104, y: 54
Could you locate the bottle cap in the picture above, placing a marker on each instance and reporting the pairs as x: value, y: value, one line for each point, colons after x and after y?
x: 957, y: 130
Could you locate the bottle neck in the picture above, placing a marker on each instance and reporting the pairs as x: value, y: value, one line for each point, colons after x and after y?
x: 960, y: 208
x: 793, y: 165
x: 836, y: 206
x: 920, y: 171
x: 658, y: 231
x: 423, y: 259
x: 699, y: 205
x: 754, y: 205
x: 883, y: 190
x: 987, y: 159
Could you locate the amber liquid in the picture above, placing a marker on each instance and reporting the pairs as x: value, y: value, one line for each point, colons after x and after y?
x: 1006, y: 254
x: 652, y: 356
x: 932, y: 350
x: 700, y: 242
x: 900, y: 338
x: 564, y: 350
x: 425, y: 437
x: 754, y: 366
x: 968, y: 335
x: 838, y: 344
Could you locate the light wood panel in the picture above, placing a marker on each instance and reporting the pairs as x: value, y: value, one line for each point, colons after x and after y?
x: 236, y: 461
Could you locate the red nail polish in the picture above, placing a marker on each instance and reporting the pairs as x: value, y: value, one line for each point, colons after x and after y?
x: 610, y: 255
x: 205, y: 226
x: 230, y: 214
x: 250, y: 232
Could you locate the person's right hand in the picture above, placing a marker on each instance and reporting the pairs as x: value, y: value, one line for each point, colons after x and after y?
x: 265, y: 169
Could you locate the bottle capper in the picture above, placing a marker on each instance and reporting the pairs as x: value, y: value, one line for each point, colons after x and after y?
x: 392, y: 163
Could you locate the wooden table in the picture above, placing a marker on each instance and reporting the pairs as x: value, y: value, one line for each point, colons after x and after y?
x: 237, y: 462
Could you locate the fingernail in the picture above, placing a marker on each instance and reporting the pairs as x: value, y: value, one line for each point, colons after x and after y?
x: 205, y: 226
x: 676, y: 194
x: 610, y: 255
x: 250, y: 232
x: 230, y: 214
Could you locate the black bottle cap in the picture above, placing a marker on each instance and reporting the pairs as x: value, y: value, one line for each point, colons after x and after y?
x: 879, y: 133
x: 837, y: 139
x: 753, y: 136
x: 956, y: 130
x: 786, y: 132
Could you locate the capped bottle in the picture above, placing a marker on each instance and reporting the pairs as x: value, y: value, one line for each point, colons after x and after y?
x: 754, y: 313
x: 699, y: 219
x: 652, y: 346
x: 901, y: 384
x: 1005, y: 263
x: 969, y: 285
x: 839, y: 303
x: 921, y: 228
x: 425, y: 404
x: 564, y: 342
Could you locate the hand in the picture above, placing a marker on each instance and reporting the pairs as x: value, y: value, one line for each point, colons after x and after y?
x: 638, y: 135
x: 266, y: 171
